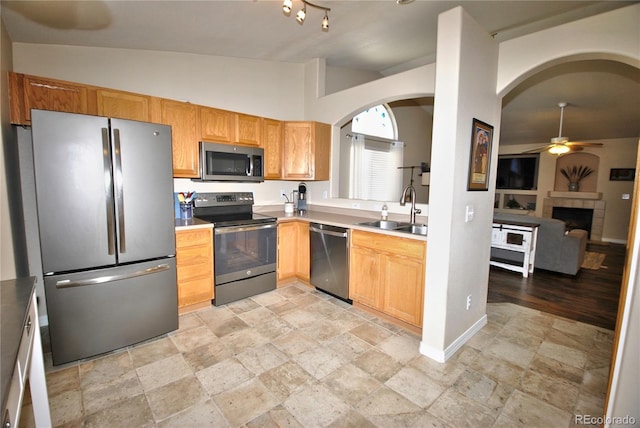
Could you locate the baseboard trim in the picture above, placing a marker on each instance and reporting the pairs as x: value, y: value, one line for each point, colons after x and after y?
x: 441, y: 355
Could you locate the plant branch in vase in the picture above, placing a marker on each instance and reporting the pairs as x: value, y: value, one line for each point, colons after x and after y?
x: 575, y: 174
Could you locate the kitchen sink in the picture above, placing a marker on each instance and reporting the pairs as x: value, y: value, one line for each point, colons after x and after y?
x: 416, y: 229
x: 385, y: 224
x: 396, y: 226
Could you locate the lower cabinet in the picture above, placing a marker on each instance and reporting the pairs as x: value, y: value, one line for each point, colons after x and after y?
x: 293, y: 250
x: 387, y: 274
x: 194, y: 260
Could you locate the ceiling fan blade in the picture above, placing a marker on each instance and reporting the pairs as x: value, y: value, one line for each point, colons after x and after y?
x: 583, y: 144
x: 539, y: 149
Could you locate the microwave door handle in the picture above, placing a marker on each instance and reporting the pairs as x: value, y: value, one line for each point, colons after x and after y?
x: 250, y: 166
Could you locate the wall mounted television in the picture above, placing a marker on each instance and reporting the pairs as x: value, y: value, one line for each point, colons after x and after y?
x: 518, y: 172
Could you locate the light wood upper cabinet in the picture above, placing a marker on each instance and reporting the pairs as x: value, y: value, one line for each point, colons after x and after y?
x: 194, y: 264
x: 30, y: 92
x: 386, y: 273
x: 272, y: 143
x: 217, y: 125
x: 123, y: 105
x: 248, y: 129
x: 306, y: 151
x: 183, y: 118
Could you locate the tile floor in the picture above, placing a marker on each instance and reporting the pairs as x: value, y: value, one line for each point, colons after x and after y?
x: 295, y: 357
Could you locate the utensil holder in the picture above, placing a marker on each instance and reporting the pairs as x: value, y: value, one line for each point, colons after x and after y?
x: 186, y: 210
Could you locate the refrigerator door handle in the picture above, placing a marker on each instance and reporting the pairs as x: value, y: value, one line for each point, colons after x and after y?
x: 119, y: 191
x: 67, y: 283
x: 108, y: 189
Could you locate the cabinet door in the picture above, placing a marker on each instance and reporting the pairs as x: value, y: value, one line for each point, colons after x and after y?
x: 287, y: 250
x: 248, y: 129
x: 272, y: 142
x: 45, y: 94
x: 303, y: 268
x: 122, y: 105
x: 194, y: 263
x: 184, y: 125
x: 404, y: 288
x: 298, y: 151
x: 216, y: 125
x: 364, y: 277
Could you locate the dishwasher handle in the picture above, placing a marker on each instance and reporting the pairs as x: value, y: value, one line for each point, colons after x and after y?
x: 324, y: 230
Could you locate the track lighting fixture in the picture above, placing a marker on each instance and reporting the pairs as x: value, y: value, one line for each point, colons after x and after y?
x: 287, y: 6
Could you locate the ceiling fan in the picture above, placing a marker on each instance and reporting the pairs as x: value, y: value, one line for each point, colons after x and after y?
x: 561, y: 145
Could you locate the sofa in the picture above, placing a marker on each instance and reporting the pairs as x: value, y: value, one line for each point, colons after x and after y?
x: 557, y: 250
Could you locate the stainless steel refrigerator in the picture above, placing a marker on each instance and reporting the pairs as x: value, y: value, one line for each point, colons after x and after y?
x: 104, y: 195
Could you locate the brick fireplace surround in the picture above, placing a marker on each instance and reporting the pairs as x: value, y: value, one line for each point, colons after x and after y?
x: 586, y: 200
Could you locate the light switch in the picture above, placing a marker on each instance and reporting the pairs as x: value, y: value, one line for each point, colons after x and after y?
x: 468, y: 214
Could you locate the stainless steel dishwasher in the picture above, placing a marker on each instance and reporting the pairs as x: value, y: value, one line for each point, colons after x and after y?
x: 330, y: 259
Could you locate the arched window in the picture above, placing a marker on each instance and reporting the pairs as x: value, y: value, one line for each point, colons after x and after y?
x: 375, y: 156
x: 376, y: 121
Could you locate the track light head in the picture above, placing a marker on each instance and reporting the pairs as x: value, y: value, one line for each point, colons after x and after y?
x: 286, y: 7
x: 302, y: 13
x: 325, y: 22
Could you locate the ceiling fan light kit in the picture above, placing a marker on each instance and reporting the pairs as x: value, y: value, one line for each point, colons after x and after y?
x: 561, y: 145
x: 287, y: 6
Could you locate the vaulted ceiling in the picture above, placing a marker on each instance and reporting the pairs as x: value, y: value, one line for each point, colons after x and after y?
x: 377, y: 36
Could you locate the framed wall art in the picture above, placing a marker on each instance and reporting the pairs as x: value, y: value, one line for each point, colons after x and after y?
x: 622, y: 174
x: 479, y: 162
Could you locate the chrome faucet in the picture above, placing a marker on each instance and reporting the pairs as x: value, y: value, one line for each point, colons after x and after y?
x: 412, y: 195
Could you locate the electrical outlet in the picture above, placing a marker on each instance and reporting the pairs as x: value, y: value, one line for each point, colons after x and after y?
x: 468, y: 214
x: 468, y: 301
x: 283, y: 193
x: 325, y: 194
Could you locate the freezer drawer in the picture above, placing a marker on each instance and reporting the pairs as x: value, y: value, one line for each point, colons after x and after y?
x: 105, y: 309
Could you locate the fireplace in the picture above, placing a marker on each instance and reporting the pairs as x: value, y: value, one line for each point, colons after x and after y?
x: 578, y: 200
x: 574, y: 218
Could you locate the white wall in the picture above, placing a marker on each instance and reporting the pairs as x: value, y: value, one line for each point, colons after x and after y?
x: 458, y: 256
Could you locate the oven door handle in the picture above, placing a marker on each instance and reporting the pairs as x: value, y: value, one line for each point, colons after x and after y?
x: 234, y: 229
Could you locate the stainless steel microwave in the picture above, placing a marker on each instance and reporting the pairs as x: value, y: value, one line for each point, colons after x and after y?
x: 224, y: 162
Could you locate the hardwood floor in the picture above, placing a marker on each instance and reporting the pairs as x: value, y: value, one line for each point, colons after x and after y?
x: 591, y: 296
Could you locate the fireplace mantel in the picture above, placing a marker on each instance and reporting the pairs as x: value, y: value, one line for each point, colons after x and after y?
x: 596, y: 196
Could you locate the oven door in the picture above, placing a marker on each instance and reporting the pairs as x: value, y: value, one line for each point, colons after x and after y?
x: 243, y: 252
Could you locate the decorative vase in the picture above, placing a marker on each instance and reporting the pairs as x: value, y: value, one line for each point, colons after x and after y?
x: 574, y: 186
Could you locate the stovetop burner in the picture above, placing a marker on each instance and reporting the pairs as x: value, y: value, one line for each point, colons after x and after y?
x: 228, y: 209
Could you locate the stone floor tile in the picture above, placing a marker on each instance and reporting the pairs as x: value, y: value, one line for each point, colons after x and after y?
x: 348, y: 346
x: 66, y: 407
x: 351, y: 384
x: 274, y: 328
x: 461, y: 411
x: 188, y: 321
x: 346, y: 319
x: 134, y: 412
x: 259, y: 360
x: 484, y: 390
x: 371, y: 333
x: 257, y: 316
x: 415, y: 386
x: 445, y: 374
x: 241, y: 306
x: 276, y: 417
x: 266, y: 299
x: 202, y: 414
x: 523, y: 410
x: 225, y: 326
x: 323, y: 330
x: 319, y: 361
x: 387, y: 408
x: 595, y: 381
x: 559, y: 393
x: 194, y: 338
x: 300, y: 318
x: 245, y: 402
x: 206, y: 356
x: 352, y: 419
x: 175, y: 397
x: 213, y: 314
x: 154, y: 351
x: 497, y: 369
x: 314, y: 405
x: 377, y: 364
x: 239, y: 341
x: 285, y: 379
x: 565, y: 354
x: 162, y: 372
x: 295, y: 342
x: 557, y: 369
x: 509, y: 352
x: 401, y: 348
x: 104, y: 369
x: 99, y: 396
x: 63, y: 380
x: 223, y: 376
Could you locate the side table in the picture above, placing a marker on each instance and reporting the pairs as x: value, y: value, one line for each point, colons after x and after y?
x: 519, y: 237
